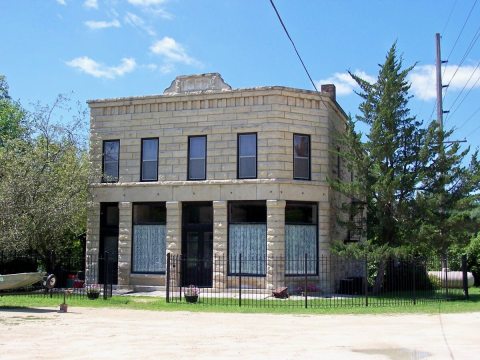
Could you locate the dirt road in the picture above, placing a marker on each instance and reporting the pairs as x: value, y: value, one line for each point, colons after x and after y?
x: 131, y: 334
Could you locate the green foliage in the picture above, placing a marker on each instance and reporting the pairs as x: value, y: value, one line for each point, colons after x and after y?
x: 472, y: 251
x: 43, y: 188
x: 419, y: 195
x: 12, y: 115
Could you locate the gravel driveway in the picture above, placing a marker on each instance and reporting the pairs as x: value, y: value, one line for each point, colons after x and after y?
x: 133, y: 334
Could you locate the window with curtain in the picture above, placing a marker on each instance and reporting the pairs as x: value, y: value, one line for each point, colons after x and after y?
x: 247, y: 235
x: 149, y: 238
x: 197, y: 157
x: 301, y: 238
x: 247, y: 156
x: 301, y: 157
x: 111, y: 156
x: 149, y: 162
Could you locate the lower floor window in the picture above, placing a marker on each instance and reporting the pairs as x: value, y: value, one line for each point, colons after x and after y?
x: 149, y: 238
x: 249, y: 240
x: 149, y: 248
x: 301, y: 238
x: 247, y: 236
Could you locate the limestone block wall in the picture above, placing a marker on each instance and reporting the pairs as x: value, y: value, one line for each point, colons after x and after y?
x: 124, y: 242
x: 174, y: 227
x: 275, y: 242
x: 274, y: 113
x: 220, y: 236
x: 93, y: 242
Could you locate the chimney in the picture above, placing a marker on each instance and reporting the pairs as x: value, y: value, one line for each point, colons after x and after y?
x: 330, y: 90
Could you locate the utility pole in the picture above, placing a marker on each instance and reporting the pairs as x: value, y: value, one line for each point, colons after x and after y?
x: 439, y: 83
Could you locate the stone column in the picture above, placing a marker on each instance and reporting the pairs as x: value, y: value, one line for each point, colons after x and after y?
x: 93, y: 242
x: 124, y: 243
x: 275, y: 243
x: 220, y: 255
x: 326, y: 263
x: 174, y: 238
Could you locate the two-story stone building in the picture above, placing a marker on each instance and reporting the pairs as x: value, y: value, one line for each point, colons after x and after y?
x: 206, y: 170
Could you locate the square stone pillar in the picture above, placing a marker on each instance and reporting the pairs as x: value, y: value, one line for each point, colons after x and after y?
x: 275, y: 243
x: 93, y: 242
x: 174, y: 239
x: 326, y: 262
x: 124, y: 243
x: 220, y: 234
x: 174, y: 227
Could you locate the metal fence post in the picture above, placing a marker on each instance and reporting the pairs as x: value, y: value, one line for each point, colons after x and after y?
x: 180, y: 272
x: 414, y: 284
x: 465, y: 276
x: 105, y: 275
x: 446, y: 276
x: 240, y: 280
x: 168, y: 278
x: 366, y: 280
x: 306, y: 295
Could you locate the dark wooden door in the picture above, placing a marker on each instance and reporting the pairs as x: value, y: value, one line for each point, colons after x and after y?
x: 197, y: 244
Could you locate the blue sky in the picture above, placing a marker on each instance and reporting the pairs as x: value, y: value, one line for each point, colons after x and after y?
x: 115, y: 48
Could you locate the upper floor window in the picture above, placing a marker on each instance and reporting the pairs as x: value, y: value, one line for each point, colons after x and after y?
x: 301, y: 157
x: 247, y: 156
x: 111, y: 155
x: 197, y: 158
x: 149, y: 164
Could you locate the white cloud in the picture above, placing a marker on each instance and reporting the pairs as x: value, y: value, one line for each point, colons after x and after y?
x: 62, y: 2
x: 91, y: 67
x: 167, y: 68
x: 172, y: 52
x: 154, y: 7
x: 423, y: 79
x: 151, y: 67
x: 92, y: 4
x: 137, y: 22
x: 96, y: 25
x: 344, y: 82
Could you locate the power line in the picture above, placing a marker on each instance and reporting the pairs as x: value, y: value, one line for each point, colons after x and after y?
x: 288, y: 35
x: 464, y: 57
x: 474, y: 131
x: 469, y: 118
x: 449, y: 16
x: 463, y: 27
x: 461, y: 92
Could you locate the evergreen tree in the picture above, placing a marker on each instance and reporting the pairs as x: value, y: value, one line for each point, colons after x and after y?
x: 419, y: 195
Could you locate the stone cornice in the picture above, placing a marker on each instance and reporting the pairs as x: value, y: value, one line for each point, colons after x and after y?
x: 211, y: 99
x: 235, y: 182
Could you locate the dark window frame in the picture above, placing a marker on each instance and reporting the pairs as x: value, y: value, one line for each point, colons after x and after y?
x: 188, y: 158
x: 133, y: 237
x: 256, y: 155
x: 104, y: 180
x: 309, y: 157
x: 317, y: 243
x: 141, y: 159
x: 229, y: 222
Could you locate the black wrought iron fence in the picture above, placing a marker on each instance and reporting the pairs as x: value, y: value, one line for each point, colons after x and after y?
x: 81, y: 276
x: 327, y: 281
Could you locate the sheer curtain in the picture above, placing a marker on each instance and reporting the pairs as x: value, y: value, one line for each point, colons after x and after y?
x: 300, y: 240
x: 250, y: 240
x: 149, y: 248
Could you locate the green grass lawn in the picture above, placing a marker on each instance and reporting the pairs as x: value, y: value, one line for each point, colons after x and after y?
x: 159, y: 304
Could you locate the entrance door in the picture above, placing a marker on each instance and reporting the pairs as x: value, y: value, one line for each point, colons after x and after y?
x: 197, y: 244
x: 109, y: 222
